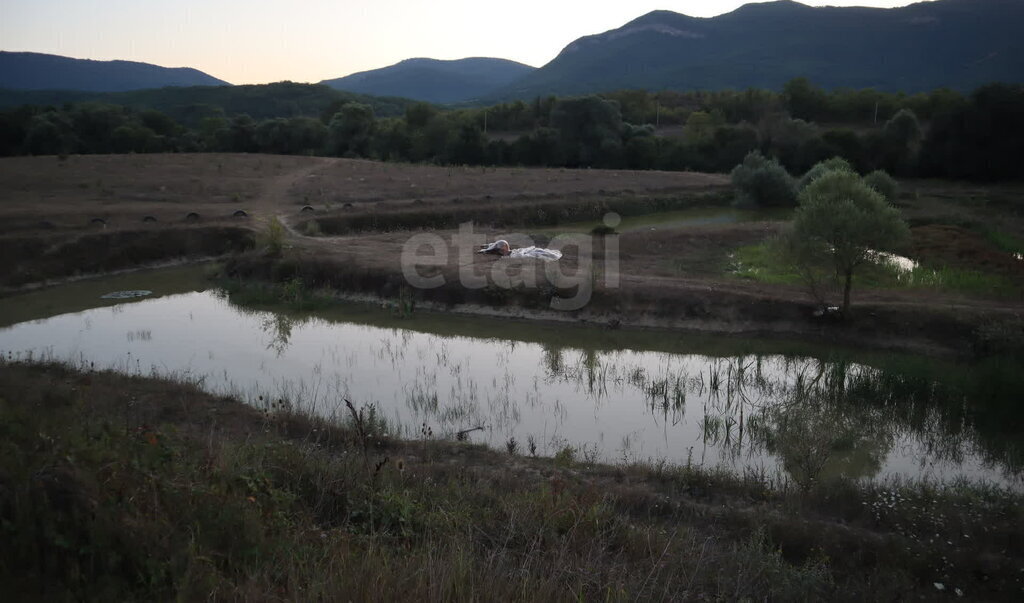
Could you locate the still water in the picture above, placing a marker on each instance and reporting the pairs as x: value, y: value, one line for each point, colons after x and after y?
x: 789, y: 411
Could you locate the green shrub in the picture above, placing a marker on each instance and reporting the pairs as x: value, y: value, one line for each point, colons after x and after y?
x: 566, y: 456
x: 885, y: 184
x: 272, y: 237
x: 823, y: 167
x: 763, y: 182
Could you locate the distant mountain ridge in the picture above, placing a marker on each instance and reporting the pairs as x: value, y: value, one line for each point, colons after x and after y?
x: 38, y: 71
x: 434, y: 80
x: 959, y: 44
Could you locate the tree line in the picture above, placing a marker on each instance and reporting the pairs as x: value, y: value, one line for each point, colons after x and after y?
x: 940, y: 134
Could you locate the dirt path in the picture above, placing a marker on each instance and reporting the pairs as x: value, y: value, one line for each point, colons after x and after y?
x: 274, y: 195
x: 278, y: 188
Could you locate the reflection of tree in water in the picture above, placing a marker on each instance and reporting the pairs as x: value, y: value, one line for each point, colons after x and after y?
x: 587, y: 371
x: 827, y: 417
x: 276, y: 324
x: 279, y: 328
x: 820, y: 416
x: 592, y: 368
x: 818, y: 441
x: 977, y: 411
x: 844, y: 418
x: 553, y: 362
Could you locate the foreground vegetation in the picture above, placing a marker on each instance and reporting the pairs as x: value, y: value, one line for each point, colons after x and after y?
x: 130, y: 488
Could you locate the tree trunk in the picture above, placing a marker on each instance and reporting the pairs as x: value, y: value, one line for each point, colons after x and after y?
x: 846, y: 293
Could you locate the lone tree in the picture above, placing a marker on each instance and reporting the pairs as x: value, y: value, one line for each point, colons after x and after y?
x: 842, y: 223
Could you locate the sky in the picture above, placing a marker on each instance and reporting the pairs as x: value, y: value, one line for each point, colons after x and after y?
x: 261, y: 41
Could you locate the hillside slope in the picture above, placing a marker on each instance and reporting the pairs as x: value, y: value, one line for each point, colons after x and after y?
x: 959, y: 44
x: 434, y: 80
x: 37, y: 71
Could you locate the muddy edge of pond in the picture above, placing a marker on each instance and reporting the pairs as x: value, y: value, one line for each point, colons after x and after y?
x: 939, y: 330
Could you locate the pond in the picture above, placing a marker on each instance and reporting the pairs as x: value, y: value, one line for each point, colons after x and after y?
x: 784, y: 410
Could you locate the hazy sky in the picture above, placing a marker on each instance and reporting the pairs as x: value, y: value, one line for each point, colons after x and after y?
x: 261, y: 41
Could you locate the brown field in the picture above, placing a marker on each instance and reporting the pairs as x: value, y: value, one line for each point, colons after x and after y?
x: 360, y: 214
x: 123, y: 189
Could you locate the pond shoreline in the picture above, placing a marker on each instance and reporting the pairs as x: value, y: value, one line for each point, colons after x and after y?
x: 784, y: 331
x: 712, y: 308
x: 618, y: 391
x: 67, y: 280
x: 873, y: 328
x: 171, y: 462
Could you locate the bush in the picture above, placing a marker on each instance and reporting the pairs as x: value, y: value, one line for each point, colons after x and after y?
x: 272, y: 237
x: 823, y: 167
x: 885, y: 184
x: 763, y: 182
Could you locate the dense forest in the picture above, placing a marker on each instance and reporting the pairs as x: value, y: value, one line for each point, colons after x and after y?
x: 190, y: 105
x: 979, y: 136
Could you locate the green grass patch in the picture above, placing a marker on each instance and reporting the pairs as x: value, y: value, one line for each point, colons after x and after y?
x: 1004, y: 241
x: 960, y: 280
x: 763, y: 263
x: 760, y: 263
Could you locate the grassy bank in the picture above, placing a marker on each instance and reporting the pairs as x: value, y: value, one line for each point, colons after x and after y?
x: 676, y: 304
x: 129, y: 488
x: 761, y: 263
x: 508, y: 214
x: 35, y: 259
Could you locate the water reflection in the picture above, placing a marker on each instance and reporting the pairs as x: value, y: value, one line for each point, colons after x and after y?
x: 278, y: 328
x: 819, y: 442
x: 807, y: 418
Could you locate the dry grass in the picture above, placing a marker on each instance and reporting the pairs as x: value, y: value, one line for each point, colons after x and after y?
x: 45, y: 193
x: 956, y: 247
x: 123, y: 189
x: 129, y: 488
x: 31, y: 259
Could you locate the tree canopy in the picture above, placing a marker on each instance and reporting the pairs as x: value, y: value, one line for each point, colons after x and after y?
x: 939, y: 134
x: 841, y: 223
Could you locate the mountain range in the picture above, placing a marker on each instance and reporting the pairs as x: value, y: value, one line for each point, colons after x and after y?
x: 36, y: 71
x: 959, y: 44
x: 434, y: 80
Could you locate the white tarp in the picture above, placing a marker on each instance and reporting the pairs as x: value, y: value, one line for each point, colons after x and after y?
x: 548, y: 255
x: 502, y: 248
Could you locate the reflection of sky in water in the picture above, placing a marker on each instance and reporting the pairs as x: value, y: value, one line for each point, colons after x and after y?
x: 601, y: 400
